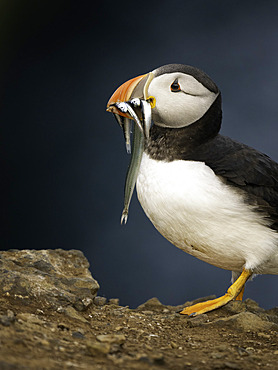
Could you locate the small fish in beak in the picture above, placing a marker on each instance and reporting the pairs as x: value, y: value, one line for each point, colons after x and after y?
x: 125, y: 108
x: 125, y: 124
x: 133, y: 170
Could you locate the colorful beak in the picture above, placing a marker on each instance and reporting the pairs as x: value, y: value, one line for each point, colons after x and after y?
x: 123, y: 94
x: 131, y: 102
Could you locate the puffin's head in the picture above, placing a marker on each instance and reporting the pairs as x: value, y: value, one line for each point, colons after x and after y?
x: 174, y: 96
x: 179, y: 95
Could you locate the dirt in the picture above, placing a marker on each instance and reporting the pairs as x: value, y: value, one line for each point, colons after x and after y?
x: 105, y: 335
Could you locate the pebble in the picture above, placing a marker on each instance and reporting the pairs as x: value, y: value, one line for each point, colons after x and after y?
x: 97, y: 348
x: 8, y: 319
x: 30, y: 318
x: 231, y: 365
x: 263, y: 335
x: 77, y: 334
x: 174, y: 345
x: 250, y: 350
x: 87, y: 301
x: 111, y: 338
x: 118, y: 328
x: 62, y: 326
x: 222, y: 347
x: 158, y: 358
x: 217, y: 355
x: 148, y: 312
x: 71, y: 312
x: 44, y: 342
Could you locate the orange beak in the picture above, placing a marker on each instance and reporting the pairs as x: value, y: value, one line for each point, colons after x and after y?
x: 123, y: 94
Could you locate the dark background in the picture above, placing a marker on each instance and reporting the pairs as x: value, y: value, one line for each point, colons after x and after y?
x: 63, y: 160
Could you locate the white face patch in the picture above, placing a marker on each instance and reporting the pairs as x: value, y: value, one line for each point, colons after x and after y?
x: 179, y: 109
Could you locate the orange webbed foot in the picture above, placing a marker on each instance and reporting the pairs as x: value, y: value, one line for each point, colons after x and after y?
x: 234, y: 292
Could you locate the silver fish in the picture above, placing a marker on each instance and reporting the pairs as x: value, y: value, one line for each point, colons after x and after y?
x: 147, y: 117
x: 136, y: 154
x: 125, y: 124
x: 127, y: 132
x: 133, y: 169
x: 134, y: 116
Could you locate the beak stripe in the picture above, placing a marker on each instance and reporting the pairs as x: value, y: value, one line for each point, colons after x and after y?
x: 123, y: 93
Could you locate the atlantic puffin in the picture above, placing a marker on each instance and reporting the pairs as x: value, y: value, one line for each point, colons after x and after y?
x: 209, y: 195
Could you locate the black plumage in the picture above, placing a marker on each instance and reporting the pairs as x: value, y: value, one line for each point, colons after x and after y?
x: 252, y: 173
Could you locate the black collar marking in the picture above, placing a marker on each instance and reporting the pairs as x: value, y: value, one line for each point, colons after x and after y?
x: 169, y: 144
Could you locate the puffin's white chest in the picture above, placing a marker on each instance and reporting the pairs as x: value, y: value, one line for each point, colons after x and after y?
x: 192, y: 208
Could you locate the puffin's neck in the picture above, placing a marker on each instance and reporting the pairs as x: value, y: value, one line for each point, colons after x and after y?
x: 169, y: 144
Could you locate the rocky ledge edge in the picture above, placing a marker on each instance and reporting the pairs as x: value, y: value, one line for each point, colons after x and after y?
x: 51, y: 317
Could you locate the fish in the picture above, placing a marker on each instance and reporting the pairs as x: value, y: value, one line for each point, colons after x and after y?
x: 125, y: 124
x: 140, y: 135
x: 133, y: 170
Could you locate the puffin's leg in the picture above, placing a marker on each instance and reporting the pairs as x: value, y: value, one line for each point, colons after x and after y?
x: 235, y: 289
x: 240, y: 295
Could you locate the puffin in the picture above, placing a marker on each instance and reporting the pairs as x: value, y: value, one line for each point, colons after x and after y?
x: 212, y: 197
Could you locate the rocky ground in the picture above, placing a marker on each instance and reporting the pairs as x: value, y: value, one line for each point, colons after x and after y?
x: 51, y: 318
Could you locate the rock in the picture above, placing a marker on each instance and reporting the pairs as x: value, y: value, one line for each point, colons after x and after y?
x: 9, y: 366
x: 264, y: 335
x: 235, y: 307
x: 252, y: 305
x: 197, y: 320
x: 100, y: 301
x: 7, y: 319
x: 174, y: 345
x: 111, y: 338
x: 245, y: 321
x: 97, y: 348
x: 44, y: 325
x: 151, y: 304
x: 217, y: 355
x: 158, y: 359
x: 71, y: 312
x: 114, y: 301
x: 29, y: 318
x: 78, y: 335
x: 53, y: 277
x: 231, y: 365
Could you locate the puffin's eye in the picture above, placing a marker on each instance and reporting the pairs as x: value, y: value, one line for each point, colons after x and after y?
x: 175, y: 87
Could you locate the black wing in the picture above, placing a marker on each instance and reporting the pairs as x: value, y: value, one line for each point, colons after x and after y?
x: 245, y: 168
